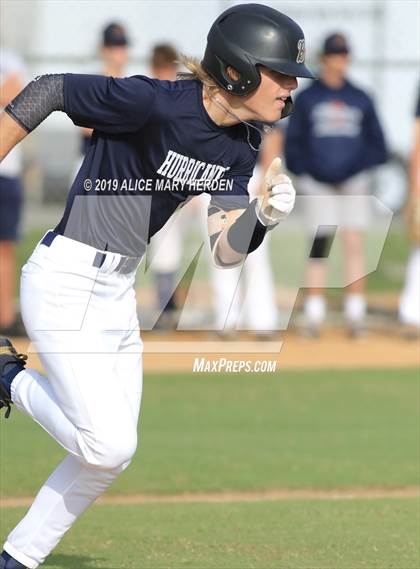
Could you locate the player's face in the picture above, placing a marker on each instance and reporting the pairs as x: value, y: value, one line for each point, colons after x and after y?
x: 116, y: 56
x: 268, y: 101
x: 336, y: 63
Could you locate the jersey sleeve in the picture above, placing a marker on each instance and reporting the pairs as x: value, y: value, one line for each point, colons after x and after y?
x: 109, y: 104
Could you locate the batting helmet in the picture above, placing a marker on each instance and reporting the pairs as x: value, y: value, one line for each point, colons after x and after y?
x: 248, y: 35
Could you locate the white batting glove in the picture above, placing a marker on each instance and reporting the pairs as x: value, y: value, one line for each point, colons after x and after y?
x: 278, y: 197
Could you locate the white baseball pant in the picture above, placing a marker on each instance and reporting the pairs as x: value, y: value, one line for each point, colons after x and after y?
x: 409, y: 309
x: 83, y: 323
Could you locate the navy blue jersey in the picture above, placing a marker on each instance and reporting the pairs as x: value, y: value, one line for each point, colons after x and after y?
x: 153, y: 147
x: 333, y: 133
x: 417, y: 112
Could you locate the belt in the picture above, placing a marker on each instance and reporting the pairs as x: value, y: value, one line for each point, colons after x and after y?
x: 125, y: 265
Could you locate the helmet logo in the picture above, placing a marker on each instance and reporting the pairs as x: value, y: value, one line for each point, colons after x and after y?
x: 300, y: 58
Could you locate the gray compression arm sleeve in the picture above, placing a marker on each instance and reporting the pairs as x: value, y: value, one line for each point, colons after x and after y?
x: 40, y: 98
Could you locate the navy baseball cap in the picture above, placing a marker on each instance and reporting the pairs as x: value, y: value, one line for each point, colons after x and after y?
x: 114, y: 35
x: 334, y: 44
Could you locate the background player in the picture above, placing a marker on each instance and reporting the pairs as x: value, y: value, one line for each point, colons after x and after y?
x: 12, y: 74
x: 114, y: 54
x: 332, y: 141
x: 244, y: 298
x: 409, y: 309
x: 163, y: 65
x: 78, y: 300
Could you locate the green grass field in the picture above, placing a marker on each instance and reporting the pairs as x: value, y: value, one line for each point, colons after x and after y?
x: 310, y: 535
x: 212, y: 433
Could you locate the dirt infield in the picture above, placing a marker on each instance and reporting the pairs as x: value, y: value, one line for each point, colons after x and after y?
x: 334, y: 350
x: 231, y: 497
x: 176, y: 351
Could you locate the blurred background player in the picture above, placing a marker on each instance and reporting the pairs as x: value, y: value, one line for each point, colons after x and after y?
x: 251, y: 305
x: 163, y: 65
x: 333, y: 139
x: 409, y: 309
x: 12, y: 81
x: 114, y: 54
x: 164, y: 62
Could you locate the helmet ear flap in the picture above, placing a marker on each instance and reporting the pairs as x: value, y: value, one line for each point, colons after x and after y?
x: 249, y: 75
x: 249, y: 78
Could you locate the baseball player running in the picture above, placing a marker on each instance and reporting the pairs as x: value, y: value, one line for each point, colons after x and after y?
x: 77, y: 295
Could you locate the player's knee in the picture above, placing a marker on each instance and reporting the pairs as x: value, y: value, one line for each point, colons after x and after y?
x: 112, y: 452
x: 117, y: 453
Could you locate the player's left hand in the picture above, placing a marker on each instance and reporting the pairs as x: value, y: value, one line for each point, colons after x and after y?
x: 278, y: 197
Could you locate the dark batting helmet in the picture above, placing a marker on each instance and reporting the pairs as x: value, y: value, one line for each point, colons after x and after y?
x: 248, y: 35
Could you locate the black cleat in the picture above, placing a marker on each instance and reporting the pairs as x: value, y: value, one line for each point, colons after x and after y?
x: 8, y: 356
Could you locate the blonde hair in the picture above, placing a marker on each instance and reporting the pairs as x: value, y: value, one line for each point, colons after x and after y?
x: 196, y: 71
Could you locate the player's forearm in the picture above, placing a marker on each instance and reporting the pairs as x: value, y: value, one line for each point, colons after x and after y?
x: 29, y: 108
x: 225, y: 255
x: 10, y: 134
x: 242, y: 234
x: 248, y: 230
